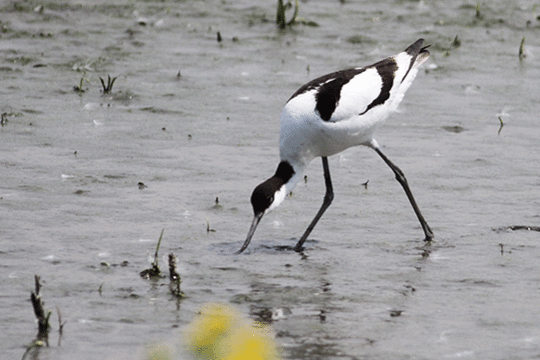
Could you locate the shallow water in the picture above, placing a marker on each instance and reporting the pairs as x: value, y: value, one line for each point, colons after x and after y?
x: 367, y: 287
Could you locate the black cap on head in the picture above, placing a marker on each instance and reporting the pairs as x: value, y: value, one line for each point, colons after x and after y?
x: 263, y: 196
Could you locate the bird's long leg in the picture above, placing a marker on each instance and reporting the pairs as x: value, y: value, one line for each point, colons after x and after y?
x: 400, y: 177
x: 328, y: 197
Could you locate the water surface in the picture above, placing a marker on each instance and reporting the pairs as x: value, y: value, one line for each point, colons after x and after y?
x: 195, y: 120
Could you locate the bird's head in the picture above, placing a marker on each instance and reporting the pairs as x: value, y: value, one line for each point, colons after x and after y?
x: 267, y: 196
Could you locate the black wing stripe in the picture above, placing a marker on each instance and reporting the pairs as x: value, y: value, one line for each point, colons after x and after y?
x: 327, y: 98
x: 387, y: 70
x: 328, y: 90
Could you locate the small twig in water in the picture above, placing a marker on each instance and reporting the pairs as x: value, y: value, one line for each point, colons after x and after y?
x: 500, y: 128
x: 521, y: 53
x: 478, y: 13
x: 174, y: 277
x: 217, y: 206
x: 42, y: 338
x: 42, y: 316
x: 60, y: 325
x: 365, y: 184
x: 208, y: 229
x: 457, y: 42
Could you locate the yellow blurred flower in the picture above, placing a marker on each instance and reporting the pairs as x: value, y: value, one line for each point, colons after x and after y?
x: 248, y: 343
x: 159, y: 352
x: 222, y: 333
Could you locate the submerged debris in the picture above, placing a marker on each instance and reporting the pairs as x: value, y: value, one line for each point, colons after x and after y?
x: 518, y: 227
x: 454, y: 129
x: 526, y: 227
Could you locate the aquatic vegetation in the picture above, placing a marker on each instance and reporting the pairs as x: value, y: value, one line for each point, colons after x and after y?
x: 456, y: 42
x: 521, y: 53
x: 217, y: 205
x: 79, y: 88
x: 221, y: 332
x: 478, y: 14
x: 43, y: 317
x: 174, y: 276
x: 360, y: 39
x: 281, y: 20
x: 60, y: 325
x: 208, y: 228
x: 110, y: 82
x: 154, y: 271
x: 280, y: 15
x: 500, y: 128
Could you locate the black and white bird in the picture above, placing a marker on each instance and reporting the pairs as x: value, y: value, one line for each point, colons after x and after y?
x: 330, y: 114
